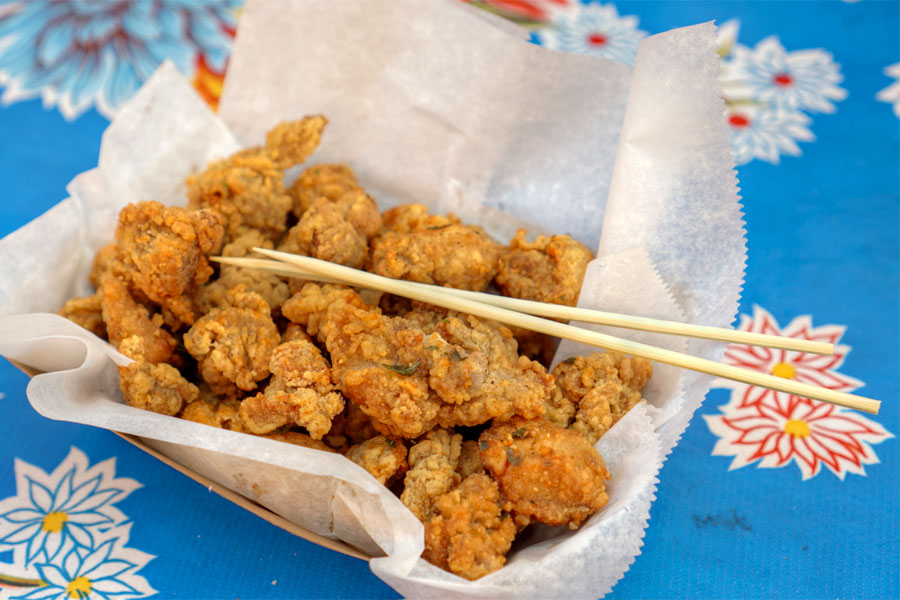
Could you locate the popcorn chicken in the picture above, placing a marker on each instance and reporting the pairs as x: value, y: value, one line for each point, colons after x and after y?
x: 301, y: 393
x: 125, y: 317
x: 163, y: 249
x: 233, y: 344
x: 86, y: 312
x: 470, y: 534
x: 550, y: 269
x: 447, y: 253
x: 321, y: 181
x: 156, y: 387
x: 546, y: 472
x: 603, y: 386
x: 383, y: 457
x: 432, y: 472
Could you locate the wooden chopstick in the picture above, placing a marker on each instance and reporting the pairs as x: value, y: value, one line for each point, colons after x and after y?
x: 363, y: 279
x: 569, y: 313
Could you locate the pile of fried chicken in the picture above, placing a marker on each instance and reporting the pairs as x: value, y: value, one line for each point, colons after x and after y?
x: 457, y: 415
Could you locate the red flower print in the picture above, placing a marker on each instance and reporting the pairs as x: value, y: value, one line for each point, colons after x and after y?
x: 811, y: 435
x: 814, y: 369
x: 774, y: 429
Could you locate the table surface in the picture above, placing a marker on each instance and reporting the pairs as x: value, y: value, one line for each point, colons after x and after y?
x: 765, y: 496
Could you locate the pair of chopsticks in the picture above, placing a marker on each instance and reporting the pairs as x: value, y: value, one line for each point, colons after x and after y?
x: 529, y: 315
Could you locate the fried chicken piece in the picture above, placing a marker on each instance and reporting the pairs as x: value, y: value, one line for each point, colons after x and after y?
x: 535, y: 345
x: 291, y: 142
x: 336, y: 230
x: 272, y: 288
x: 474, y: 367
x: 86, y: 312
x: 547, y: 270
x: 559, y: 410
x: 215, y: 412
x: 158, y: 388
x: 309, y: 307
x: 247, y: 188
x: 432, y: 472
x: 546, y: 472
x: 321, y: 181
x: 300, y: 393
x: 383, y: 457
x: 163, y: 251
x: 469, y: 459
x: 603, y: 386
x: 358, y: 426
x: 298, y: 439
x: 471, y: 534
x: 376, y: 362
x: 125, y: 317
x: 449, y: 254
x: 233, y: 344
x: 102, y: 260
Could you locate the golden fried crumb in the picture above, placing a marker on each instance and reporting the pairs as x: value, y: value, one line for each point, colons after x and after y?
x: 603, y: 387
x: 301, y: 393
x: 291, y: 142
x: 470, y: 534
x: 321, y: 181
x: 449, y: 254
x: 233, y: 344
x: 86, y: 312
x: 102, y: 260
x: 546, y: 472
x: 158, y: 388
x: 215, y: 412
x: 272, y: 288
x: 163, y: 251
x: 547, y: 270
x: 469, y: 459
x: 383, y: 457
x: 432, y: 472
x: 125, y: 317
x: 309, y: 307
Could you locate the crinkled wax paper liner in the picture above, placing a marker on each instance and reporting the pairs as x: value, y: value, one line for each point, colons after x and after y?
x: 671, y: 173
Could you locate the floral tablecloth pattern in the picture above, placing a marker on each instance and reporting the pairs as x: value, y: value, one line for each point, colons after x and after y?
x: 768, y: 494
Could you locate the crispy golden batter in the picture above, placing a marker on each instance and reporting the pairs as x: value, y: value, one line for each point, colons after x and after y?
x: 321, y: 181
x: 102, y: 260
x: 379, y: 363
x: 272, y: 288
x: 546, y: 472
x: 159, y: 388
x: 469, y: 459
x: 474, y: 367
x: 300, y: 393
x: 336, y: 230
x: 86, y: 312
x: 247, y: 188
x: 358, y: 426
x: 410, y: 218
x: 291, y: 142
x: 215, y: 412
x: 298, y: 439
x: 163, y: 251
x: 603, y: 386
x: 125, y: 317
x: 559, y: 410
x: 432, y: 472
x: 470, y: 535
x: 449, y: 253
x: 383, y: 457
x: 547, y: 270
x: 309, y: 307
x: 233, y: 344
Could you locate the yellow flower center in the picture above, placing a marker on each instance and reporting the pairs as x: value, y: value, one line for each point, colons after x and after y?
x: 80, y: 587
x: 783, y: 370
x: 53, y: 522
x: 797, y: 428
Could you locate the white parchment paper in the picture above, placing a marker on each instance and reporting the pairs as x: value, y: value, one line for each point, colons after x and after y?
x: 428, y: 102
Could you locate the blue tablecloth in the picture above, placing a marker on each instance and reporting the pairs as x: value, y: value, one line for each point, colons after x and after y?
x: 813, y: 101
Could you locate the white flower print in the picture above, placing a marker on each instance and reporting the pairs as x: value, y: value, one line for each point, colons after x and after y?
x: 892, y: 92
x: 801, y: 80
x: 765, y: 133
x: 594, y: 28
